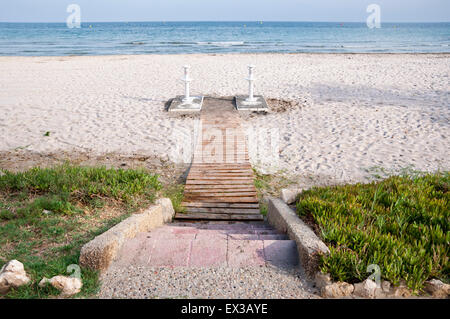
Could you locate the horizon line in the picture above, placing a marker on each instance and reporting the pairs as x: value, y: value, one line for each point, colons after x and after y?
x: 222, y: 21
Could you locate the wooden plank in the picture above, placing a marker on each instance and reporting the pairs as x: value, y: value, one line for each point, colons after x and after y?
x: 217, y: 152
x: 244, y: 172
x: 224, y: 160
x: 223, y: 165
x: 236, y: 149
x: 215, y: 194
x: 218, y: 204
x: 218, y: 169
x: 212, y: 173
x: 221, y: 171
x: 222, y: 199
x: 220, y: 191
x: 222, y: 143
x: 219, y: 159
x: 204, y: 216
x: 218, y: 210
x: 213, y: 163
x: 218, y: 182
x: 222, y: 178
x: 210, y: 163
x: 236, y: 189
x: 218, y: 187
x: 227, y: 197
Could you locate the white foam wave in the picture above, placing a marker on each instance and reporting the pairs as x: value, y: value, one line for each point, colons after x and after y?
x: 222, y: 43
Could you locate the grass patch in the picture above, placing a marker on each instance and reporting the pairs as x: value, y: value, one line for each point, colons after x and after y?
x: 47, y: 215
x: 400, y: 224
x: 263, y: 208
x: 176, y: 194
x: 271, y: 184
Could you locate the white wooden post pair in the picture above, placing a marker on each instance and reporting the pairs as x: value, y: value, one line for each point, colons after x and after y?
x: 187, y: 82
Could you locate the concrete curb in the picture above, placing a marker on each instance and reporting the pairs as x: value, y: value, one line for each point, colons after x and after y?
x: 101, y: 251
x: 309, y: 246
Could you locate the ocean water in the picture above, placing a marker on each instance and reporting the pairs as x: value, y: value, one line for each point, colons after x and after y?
x: 50, y: 39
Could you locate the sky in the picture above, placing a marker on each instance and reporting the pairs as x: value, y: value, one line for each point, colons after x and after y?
x: 225, y: 10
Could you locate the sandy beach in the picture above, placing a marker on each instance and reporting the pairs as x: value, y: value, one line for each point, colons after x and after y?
x: 346, y: 116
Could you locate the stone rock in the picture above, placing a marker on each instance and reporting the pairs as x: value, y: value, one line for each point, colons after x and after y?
x: 337, y: 290
x: 168, y: 211
x: 402, y: 291
x: 12, y: 275
x: 384, y: 291
x: 322, y: 280
x: 44, y: 282
x: 365, y: 289
x: 437, y: 288
x: 380, y: 294
x: 289, y: 196
x: 68, y: 286
x: 386, y: 286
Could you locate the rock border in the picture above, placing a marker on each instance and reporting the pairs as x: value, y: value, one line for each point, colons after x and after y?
x: 368, y: 289
x: 290, y: 195
x: 102, y: 250
x: 12, y: 275
x: 309, y: 246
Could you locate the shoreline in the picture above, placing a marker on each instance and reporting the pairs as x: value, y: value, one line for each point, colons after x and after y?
x: 230, y: 53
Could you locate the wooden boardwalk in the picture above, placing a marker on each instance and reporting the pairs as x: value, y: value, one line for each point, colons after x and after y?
x: 220, y: 183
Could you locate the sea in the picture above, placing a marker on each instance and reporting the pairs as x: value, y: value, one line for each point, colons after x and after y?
x: 57, y: 39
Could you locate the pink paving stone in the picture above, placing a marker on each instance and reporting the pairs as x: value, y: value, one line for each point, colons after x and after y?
x: 174, y: 252
x: 184, y: 230
x: 281, y: 253
x: 170, y: 232
x: 199, y: 245
x: 142, y: 236
x: 208, y: 252
x: 243, y: 253
x: 144, y: 254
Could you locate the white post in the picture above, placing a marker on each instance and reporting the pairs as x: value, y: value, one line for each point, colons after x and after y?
x: 250, y: 80
x: 187, y: 80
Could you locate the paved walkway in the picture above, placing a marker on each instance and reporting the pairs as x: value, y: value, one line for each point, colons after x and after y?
x: 214, y: 259
x: 210, y: 245
x: 208, y: 260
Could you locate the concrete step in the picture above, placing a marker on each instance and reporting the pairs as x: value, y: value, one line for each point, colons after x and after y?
x: 223, y: 225
x: 218, y: 231
x: 207, y: 252
x: 210, y: 245
x: 231, y: 226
